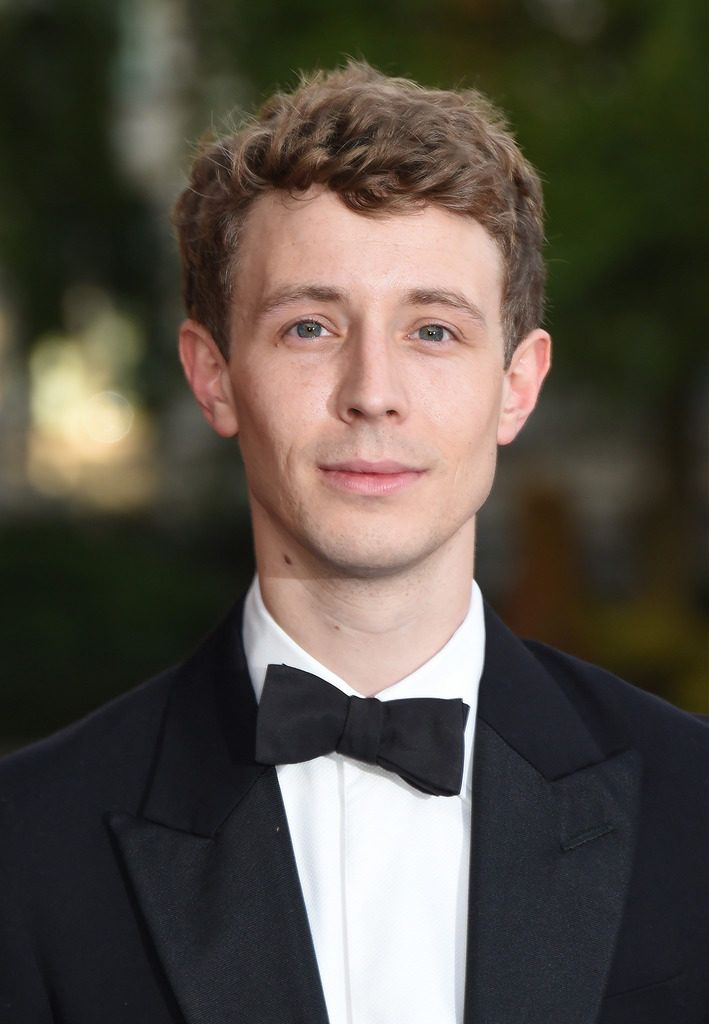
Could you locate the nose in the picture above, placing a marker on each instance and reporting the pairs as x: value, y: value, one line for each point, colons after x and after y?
x: 371, y: 384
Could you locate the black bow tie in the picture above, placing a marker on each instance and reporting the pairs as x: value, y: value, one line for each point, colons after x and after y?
x: 300, y: 717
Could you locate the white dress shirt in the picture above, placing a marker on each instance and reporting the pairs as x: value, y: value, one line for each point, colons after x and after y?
x: 383, y: 867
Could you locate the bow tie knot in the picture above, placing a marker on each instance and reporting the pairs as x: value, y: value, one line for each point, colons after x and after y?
x: 362, y: 734
x: 421, y: 739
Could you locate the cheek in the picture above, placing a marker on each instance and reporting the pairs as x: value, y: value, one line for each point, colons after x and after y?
x: 280, y: 389
x: 465, y: 420
x: 272, y: 430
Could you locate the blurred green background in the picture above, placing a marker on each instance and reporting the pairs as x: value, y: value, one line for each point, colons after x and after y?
x: 123, y: 529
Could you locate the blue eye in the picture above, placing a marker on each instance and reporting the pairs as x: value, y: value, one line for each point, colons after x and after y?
x: 309, y: 329
x: 432, y: 332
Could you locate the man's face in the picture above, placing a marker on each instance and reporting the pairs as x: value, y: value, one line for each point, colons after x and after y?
x: 366, y: 382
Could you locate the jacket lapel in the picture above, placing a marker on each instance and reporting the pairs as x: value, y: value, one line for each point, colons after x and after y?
x: 552, y: 847
x: 209, y: 856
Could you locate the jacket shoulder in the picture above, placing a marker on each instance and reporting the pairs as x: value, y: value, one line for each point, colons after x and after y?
x: 103, y: 752
x: 106, y: 761
x: 612, y: 707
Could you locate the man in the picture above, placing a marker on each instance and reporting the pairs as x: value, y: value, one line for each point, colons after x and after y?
x: 503, y: 834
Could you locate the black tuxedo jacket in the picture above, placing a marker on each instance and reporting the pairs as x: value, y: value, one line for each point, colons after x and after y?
x: 148, y: 875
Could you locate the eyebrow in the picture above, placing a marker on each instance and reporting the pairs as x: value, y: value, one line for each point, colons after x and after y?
x: 442, y: 297
x: 415, y: 297
x: 310, y: 292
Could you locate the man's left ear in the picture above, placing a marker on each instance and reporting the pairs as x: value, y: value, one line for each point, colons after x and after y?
x: 523, y: 381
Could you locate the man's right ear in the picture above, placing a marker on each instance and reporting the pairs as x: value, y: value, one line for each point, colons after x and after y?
x: 207, y: 373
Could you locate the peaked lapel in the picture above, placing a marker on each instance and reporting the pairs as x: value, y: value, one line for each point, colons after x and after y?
x: 553, y: 837
x: 209, y: 855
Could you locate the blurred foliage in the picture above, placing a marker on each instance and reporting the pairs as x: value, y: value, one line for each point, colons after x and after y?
x: 66, y: 214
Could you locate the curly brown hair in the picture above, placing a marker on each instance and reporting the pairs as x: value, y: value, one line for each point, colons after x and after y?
x: 382, y: 145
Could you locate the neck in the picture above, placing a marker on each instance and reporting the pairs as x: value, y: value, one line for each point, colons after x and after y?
x: 372, y: 631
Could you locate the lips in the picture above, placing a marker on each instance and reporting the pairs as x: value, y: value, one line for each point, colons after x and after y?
x: 375, y: 479
x: 363, y: 466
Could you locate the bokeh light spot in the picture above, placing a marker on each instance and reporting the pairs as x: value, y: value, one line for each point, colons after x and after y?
x: 107, y: 417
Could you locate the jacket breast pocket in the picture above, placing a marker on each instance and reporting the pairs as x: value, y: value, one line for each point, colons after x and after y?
x: 659, y: 1003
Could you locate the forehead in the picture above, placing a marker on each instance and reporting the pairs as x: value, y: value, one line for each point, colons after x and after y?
x: 315, y: 237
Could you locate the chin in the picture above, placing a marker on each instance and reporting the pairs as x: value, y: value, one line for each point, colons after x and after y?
x: 388, y: 558
x: 351, y: 570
